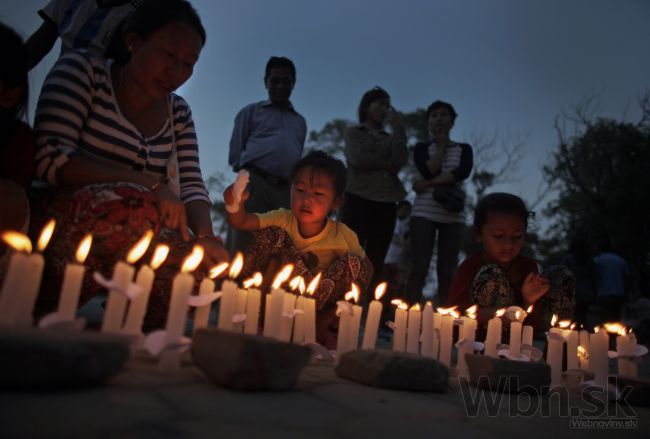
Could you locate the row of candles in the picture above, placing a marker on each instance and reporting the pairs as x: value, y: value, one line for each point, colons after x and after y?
x: 291, y: 315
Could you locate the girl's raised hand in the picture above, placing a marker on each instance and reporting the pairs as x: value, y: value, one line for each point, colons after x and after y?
x: 534, y: 287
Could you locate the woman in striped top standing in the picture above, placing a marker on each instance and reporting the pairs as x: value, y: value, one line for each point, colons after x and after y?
x: 438, y: 210
x: 108, y: 135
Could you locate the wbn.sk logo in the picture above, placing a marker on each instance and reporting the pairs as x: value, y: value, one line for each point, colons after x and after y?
x: 487, y: 399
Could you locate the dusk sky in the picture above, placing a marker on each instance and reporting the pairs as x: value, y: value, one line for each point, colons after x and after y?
x: 507, y: 65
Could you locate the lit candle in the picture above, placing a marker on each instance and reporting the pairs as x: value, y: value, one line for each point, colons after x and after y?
x: 309, y: 316
x: 373, y: 318
x: 349, y: 323
x: 527, y: 331
x: 275, y: 303
x: 467, y: 334
x: 494, y: 334
x: 624, y: 349
x: 23, y: 279
x: 122, y: 278
x: 572, y: 342
x: 144, y: 279
x: 446, y: 334
x: 401, y: 319
x: 437, y: 325
x: 583, y: 350
x: 598, y: 359
x: 631, y: 370
x: 413, y: 329
x: 426, y: 348
x: 181, y: 289
x: 73, y: 280
x: 555, y: 341
x: 515, y: 337
x: 298, y: 284
x: 253, y: 301
x: 286, y: 321
x: 228, y: 303
x: 202, y: 313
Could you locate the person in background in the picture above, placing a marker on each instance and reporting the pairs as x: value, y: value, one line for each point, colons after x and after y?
x: 396, y: 255
x: 81, y: 24
x: 267, y: 140
x: 612, y: 272
x: 374, y: 157
x: 581, y: 264
x: 439, y: 207
x: 119, y: 151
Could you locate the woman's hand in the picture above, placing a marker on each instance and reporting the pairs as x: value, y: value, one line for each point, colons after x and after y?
x: 229, y: 196
x: 421, y: 186
x: 172, y: 211
x: 533, y: 288
x: 214, y: 251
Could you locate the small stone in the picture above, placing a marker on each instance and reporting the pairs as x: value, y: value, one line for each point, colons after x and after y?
x: 635, y: 391
x: 508, y: 376
x: 248, y: 362
x: 59, y: 359
x: 394, y: 370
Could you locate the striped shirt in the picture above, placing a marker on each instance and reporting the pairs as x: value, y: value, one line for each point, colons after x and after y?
x: 457, y: 156
x: 77, y: 113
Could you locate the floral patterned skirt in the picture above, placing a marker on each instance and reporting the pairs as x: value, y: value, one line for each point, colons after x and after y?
x: 273, y: 247
x: 117, y: 215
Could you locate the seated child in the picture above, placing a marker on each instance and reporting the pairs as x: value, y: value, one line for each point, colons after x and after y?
x: 498, y: 276
x: 306, y: 237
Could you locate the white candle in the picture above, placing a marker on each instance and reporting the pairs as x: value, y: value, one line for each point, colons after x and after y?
x: 630, y: 369
x: 515, y: 337
x: 253, y: 302
x: 73, y: 280
x: 228, y: 302
x: 413, y: 329
x: 23, y: 278
x: 144, y: 279
x: 583, y: 350
x: 437, y: 325
x: 349, y: 323
x: 374, y: 317
x: 467, y: 332
x: 446, y: 334
x: 181, y: 289
x: 207, y: 286
x: 298, y: 285
x: 310, y: 311
x: 494, y: 334
x: 625, y: 347
x: 275, y: 303
x: 286, y: 322
x: 572, y: 343
x: 598, y: 359
x: 401, y: 319
x: 554, y: 355
x: 426, y: 348
x: 122, y: 278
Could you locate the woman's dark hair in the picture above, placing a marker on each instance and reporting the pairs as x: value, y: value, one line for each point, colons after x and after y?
x: 501, y: 202
x: 441, y: 104
x: 280, y: 62
x: 149, y: 17
x: 13, y: 73
x: 368, y: 98
x: 322, y: 162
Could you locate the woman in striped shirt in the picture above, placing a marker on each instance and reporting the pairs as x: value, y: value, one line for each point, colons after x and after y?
x: 442, y: 163
x: 106, y: 131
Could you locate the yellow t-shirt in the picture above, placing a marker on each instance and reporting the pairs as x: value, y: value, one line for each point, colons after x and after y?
x: 334, y: 241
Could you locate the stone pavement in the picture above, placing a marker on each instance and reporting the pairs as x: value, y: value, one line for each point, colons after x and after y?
x: 142, y: 403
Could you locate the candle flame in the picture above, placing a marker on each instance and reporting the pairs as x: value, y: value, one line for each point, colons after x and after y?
x: 500, y: 312
x: 582, y: 352
x: 139, y: 248
x: 215, y: 271
x: 84, y: 248
x: 313, y: 285
x: 353, y: 294
x: 380, y: 290
x: 564, y: 324
x: 46, y: 234
x: 446, y: 311
x: 554, y: 320
x: 282, y: 276
x: 396, y: 302
x: 454, y: 313
x: 615, y: 328
x: 517, y: 315
x: 254, y: 281
x: 530, y: 309
x: 294, y: 284
x: 596, y: 329
x: 403, y: 306
x: 159, y: 255
x: 416, y: 307
x: 471, y: 310
x: 17, y: 241
x: 193, y: 259
x: 572, y: 327
x: 236, y: 265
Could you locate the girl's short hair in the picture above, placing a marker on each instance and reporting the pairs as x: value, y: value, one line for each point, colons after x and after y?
x: 149, y: 17
x: 441, y: 104
x: 320, y: 161
x: 13, y: 72
x: 501, y: 202
x: 368, y: 98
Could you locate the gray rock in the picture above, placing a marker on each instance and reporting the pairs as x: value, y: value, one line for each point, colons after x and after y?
x: 57, y: 359
x: 394, y: 370
x: 507, y: 376
x: 248, y: 362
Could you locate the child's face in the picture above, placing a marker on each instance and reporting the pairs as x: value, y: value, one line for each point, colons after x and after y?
x: 502, y: 236
x: 312, y: 196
